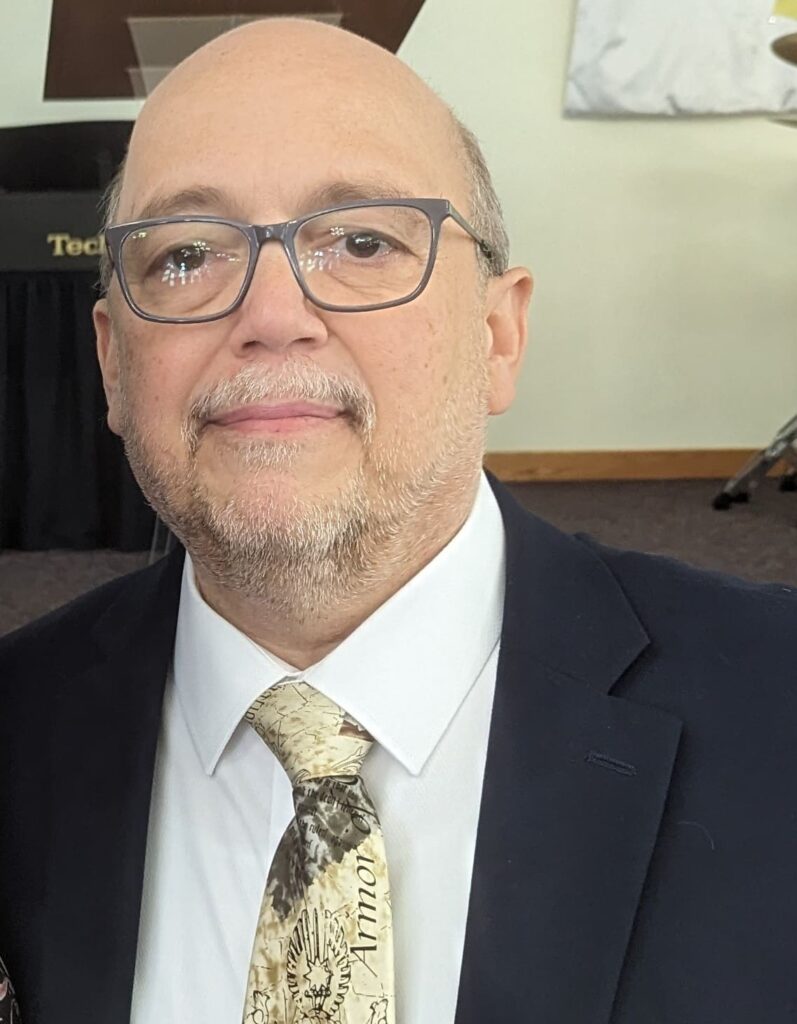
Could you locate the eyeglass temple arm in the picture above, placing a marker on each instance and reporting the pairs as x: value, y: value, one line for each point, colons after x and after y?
x: 483, y: 245
x: 109, y: 250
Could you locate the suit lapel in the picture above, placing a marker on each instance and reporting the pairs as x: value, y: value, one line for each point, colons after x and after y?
x: 575, y: 785
x: 103, y: 734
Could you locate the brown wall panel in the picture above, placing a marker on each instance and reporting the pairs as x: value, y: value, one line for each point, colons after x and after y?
x: 90, y: 47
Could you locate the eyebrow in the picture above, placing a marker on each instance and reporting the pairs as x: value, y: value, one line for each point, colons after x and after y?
x: 206, y: 199
x: 336, y: 192
x: 198, y: 199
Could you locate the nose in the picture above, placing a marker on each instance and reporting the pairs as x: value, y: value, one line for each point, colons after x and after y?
x: 275, y: 313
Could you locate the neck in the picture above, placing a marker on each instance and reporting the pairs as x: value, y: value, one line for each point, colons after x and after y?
x: 303, y: 641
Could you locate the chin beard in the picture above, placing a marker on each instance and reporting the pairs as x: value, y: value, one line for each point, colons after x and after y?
x: 294, y: 555
x: 300, y: 557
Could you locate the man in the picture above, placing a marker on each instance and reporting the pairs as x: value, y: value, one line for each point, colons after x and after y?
x: 578, y: 759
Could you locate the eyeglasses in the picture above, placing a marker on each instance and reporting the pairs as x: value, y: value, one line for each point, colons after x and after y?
x: 350, y: 258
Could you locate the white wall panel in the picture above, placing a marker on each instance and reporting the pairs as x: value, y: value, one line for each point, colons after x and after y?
x: 678, y: 57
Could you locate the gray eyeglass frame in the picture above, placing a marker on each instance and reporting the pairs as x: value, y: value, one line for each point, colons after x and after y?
x: 436, y: 210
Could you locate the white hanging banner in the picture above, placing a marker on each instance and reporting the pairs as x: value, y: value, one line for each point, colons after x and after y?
x: 680, y: 57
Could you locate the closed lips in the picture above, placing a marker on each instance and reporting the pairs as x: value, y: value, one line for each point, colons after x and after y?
x: 288, y: 410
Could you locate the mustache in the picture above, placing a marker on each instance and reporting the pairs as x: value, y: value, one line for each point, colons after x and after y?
x: 292, y: 382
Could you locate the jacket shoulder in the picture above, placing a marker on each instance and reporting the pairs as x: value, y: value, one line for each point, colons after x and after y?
x: 674, y: 583
x: 59, y: 637
x: 713, y: 635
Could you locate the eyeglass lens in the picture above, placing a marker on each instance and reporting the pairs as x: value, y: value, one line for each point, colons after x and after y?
x: 363, y: 256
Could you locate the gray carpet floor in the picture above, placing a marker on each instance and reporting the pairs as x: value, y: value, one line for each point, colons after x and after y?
x: 757, y: 541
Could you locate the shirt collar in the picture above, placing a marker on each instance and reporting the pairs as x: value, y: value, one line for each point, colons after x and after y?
x: 403, y: 673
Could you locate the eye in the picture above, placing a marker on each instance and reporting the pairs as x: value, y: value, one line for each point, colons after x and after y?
x: 361, y: 243
x: 364, y: 244
x: 188, y: 257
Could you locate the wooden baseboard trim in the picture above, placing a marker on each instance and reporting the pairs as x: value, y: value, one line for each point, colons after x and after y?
x: 689, y: 464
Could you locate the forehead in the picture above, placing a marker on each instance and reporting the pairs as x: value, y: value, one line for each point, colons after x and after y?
x: 270, y: 143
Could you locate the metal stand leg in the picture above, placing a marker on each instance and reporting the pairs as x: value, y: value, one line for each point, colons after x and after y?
x: 788, y: 482
x: 740, y: 487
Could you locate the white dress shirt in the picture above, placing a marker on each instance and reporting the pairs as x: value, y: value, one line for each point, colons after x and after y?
x: 419, y: 674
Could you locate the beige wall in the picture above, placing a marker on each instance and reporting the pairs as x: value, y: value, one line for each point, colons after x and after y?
x: 665, y: 252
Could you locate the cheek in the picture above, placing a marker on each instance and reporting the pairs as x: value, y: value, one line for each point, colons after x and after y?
x: 157, y: 380
x: 148, y: 389
x: 407, y: 369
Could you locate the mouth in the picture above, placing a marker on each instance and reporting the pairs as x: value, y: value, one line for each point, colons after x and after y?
x: 279, y: 418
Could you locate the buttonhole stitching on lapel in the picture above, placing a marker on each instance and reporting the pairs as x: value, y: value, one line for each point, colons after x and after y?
x: 604, y: 761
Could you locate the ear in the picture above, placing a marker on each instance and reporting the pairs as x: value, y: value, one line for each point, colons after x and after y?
x: 108, y: 357
x: 506, y: 321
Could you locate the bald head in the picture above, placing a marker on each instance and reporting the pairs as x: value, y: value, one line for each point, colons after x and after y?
x: 316, y: 64
x: 294, y: 87
x: 259, y: 51
x: 293, y: 98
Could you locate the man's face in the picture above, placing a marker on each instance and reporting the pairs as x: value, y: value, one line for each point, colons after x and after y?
x: 398, y: 397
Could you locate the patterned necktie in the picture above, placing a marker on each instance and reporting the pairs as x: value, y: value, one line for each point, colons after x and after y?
x: 323, y: 950
x: 9, y: 1011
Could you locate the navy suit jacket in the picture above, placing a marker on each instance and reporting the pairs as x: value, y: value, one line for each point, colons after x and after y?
x: 636, y: 859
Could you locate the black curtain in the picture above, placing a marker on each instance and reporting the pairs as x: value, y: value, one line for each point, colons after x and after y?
x: 64, y: 479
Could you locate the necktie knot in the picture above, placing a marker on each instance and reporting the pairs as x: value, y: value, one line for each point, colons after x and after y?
x: 310, y: 735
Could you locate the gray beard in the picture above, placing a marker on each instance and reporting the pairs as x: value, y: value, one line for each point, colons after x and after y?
x: 299, y: 557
